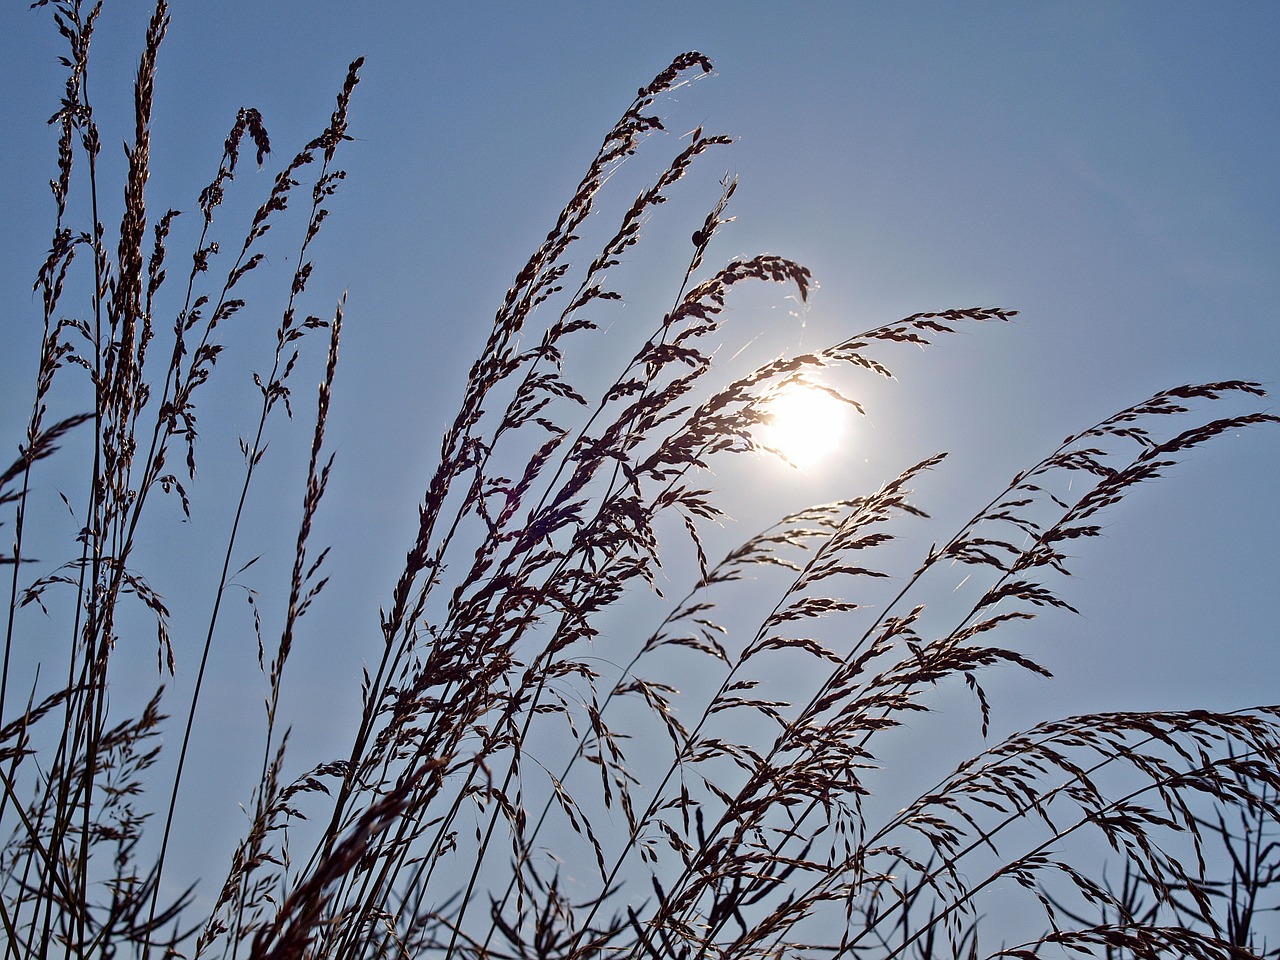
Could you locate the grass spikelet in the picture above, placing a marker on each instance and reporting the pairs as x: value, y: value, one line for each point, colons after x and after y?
x: 538, y: 769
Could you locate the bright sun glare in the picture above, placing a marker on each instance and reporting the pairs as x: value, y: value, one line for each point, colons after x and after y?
x: 806, y: 424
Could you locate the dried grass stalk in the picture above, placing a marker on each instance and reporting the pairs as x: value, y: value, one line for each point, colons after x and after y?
x: 525, y: 780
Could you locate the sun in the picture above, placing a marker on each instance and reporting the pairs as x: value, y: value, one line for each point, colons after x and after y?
x: 805, y: 424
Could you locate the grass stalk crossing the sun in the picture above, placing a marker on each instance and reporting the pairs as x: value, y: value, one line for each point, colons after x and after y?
x: 534, y: 772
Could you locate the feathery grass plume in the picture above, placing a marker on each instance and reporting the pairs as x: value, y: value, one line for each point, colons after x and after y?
x: 532, y: 775
x: 83, y: 860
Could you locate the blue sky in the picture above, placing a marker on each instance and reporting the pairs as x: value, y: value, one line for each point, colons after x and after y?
x: 1107, y: 169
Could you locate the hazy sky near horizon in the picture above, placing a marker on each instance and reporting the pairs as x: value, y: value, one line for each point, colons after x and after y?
x: 1109, y: 170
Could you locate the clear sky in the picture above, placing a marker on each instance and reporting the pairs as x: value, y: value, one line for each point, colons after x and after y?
x: 1107, y: 169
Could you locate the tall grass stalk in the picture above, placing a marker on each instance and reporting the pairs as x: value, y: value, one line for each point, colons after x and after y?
x: 505, y: 791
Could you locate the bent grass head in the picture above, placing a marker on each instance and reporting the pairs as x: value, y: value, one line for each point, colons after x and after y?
x: 530, y: 774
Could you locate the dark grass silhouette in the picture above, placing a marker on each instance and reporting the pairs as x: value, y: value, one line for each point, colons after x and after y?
x: 507, y: 792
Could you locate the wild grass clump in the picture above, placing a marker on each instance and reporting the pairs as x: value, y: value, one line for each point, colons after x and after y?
x: 523, y: 780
